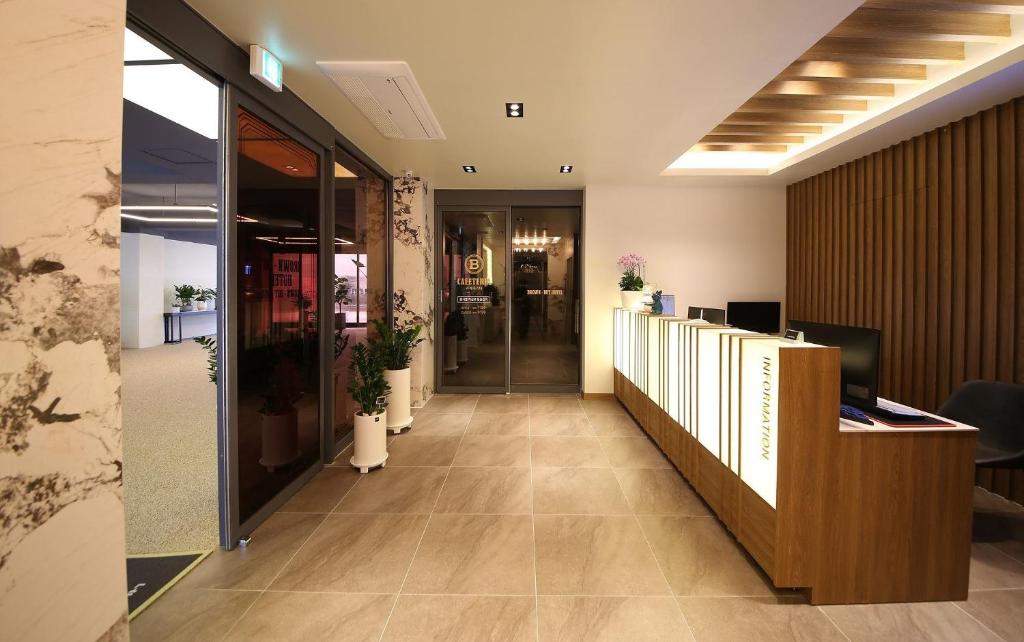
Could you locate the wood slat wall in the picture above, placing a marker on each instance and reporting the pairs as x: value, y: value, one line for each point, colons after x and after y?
x: 923, y: 240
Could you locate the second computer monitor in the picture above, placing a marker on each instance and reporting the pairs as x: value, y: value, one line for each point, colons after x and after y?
x: 756, y: 316
x: 860, y: 349
x: 711, y: 315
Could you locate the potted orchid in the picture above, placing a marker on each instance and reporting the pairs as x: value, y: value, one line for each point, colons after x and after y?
x: 631, y: 284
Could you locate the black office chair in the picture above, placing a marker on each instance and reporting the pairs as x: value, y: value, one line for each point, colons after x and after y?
x: 997, y: 411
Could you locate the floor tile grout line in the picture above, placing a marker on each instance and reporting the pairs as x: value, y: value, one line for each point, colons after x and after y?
x: 980, y: 623
x: 833, y: 623
x: 533, y: 526
x: 1004, y: 553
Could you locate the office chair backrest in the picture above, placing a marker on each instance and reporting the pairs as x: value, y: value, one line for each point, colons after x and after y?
x: 996, y: 409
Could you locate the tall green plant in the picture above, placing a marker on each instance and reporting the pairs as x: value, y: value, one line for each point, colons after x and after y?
x: 367, y: 385
x: 210, y: 345
x: 185, y: 293
x: 395, y: 346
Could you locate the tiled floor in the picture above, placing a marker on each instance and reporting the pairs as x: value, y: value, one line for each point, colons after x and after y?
x: 541, y: 517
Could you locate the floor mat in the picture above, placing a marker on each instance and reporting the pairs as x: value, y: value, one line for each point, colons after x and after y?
x: 149, y: 576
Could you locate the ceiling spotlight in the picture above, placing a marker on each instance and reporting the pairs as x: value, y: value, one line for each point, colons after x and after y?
x: 469, y: 169
x: 514, y: 110
x: 565, y: 169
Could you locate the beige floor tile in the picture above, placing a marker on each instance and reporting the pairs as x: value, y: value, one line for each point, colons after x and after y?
x: 413, y: 450
x: 356, y: 554
x: 511, y: 404
x: 568, y: 452
x: 615, y: 426
x: 1003, y: 530
x: 486, y: 490
x: 395, y: 490
x: 592, y: 491
x: 764, y: 619
x: 633, y: 452
x: 602, y: 407
x: 191, y: 614
x: 255, y: 566
x: 985, y: 501
x: 921, y: 621
x: 994, y: 569
x: 595, y: 555
x: 611, y: 619
x: 659, y: 491
x: 450, y: 403
x: 699, y: 557
x: 474, y: 555
x: 1001, y: 611
x: 560, y: 425
x: 489, y: 423
x: 454, y: 618
x: 323, y: 492
x: 544, y: 405
x: 493, y: 450
x: 436, y: 424
x: 314, y: 616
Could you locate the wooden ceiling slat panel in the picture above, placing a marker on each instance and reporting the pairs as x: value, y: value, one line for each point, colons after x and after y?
x: 984, y: 6
x: 794, y: 116
x: 834, y: 88
x: 700, y: 147
x: 812, y: 103
x: 781, y: 128
x: 924, y: 25
x: 830, y: 48
x: 866, y: 71
x: 752, y: 138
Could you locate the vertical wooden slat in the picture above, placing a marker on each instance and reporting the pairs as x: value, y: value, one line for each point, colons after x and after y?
x: 958, y: 333
x: 889, y: 274
x: 930, y: 318
x: 909, y: 275
x: 990, y: 244
x: 919, y: 347
x: 975, y: 278
x: 1006, y: 172
x: 944, y: 252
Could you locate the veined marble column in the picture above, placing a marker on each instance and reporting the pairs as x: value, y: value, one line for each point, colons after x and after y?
x: 62, y: 543
x: 414, y: 275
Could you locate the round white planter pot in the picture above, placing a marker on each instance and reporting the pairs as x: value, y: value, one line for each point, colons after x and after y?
x: 632, y: 300
x: 399, y: 415
x: 200, y: 305
x: 280, y: 434
x: 451, y: 353
x: 370, y: 441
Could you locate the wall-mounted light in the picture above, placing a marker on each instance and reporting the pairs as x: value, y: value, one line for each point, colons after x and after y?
x: 514, y: 110
x: 469, y: 169
x: 565, y: 169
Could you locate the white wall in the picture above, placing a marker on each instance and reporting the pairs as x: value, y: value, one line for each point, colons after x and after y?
x: 705, y: 245
x: 195, y: 264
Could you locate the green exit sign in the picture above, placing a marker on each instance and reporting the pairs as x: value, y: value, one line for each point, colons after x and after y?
x: 266, y: 67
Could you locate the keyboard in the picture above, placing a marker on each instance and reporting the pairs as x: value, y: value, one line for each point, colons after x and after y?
x: 851, y: 413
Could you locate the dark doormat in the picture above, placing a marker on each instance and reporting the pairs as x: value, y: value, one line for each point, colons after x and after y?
x: 149, y: 576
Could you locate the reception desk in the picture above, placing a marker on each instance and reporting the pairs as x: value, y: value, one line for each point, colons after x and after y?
x: 851, y: 514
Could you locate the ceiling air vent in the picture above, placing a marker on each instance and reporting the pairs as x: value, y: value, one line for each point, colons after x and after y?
x: 388, y: 95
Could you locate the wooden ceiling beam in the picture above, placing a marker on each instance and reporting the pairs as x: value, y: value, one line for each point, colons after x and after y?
x: 752, y: 138
x: 703, y: 147
x: 780, y: 128
x: 833, y: 88
x: 958, y: 26
x: 874, y: 50
x: 811, y: 103
x: 862, y: 71
x: 795, y: 117
x: 985, y: 6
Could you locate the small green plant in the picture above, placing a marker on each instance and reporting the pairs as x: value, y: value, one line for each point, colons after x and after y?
x: 367, y: 386
x: 210, y: 345
x: 205, y: 294
x: 185, y: 293
x: 341, y: 288
x: 395, y: 346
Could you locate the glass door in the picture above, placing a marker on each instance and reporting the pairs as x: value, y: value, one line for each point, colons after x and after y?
x: 545, y: 301
x: 275, y: 269
x: 472, y: 300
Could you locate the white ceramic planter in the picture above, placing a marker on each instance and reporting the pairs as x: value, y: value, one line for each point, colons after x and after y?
x: 200, y: 305
x: 280, y: 434
x: 632, y: 300
x: 463, y: 350
x: 370, y: 441
x: 175, y: 309
x: 399, y: 415
x: 451, y: 353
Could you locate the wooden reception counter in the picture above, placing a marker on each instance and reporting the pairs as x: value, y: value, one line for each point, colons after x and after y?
x: 851, y: 515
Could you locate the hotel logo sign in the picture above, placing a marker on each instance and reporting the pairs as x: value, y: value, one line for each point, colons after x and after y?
x: 474, y: 264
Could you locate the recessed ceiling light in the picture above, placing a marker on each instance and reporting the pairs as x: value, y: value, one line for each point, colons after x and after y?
x: 469, y: 169
x: 565, y: 169
x: 514, y: 110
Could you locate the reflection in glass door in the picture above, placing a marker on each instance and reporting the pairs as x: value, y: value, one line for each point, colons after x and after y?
x: 545, y: 306
x: 473, y: 301
x: 276, y: 307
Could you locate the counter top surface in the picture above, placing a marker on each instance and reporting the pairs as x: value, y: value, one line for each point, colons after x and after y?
x: 851, y: 426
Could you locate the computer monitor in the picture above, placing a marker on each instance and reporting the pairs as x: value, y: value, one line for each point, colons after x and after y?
x: 756, y: 316
x: 859, y: 356
x: 711, y: 315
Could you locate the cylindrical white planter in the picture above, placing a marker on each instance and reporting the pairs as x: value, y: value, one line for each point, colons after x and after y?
x: 463, y: 350
x: 632, y: 300
x: 200, y: 305
x: 280, y: 435
x: 399, y: 416
x: 451, y: 353
x: 370, y: 441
